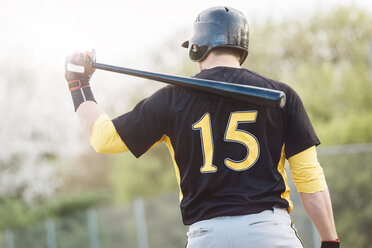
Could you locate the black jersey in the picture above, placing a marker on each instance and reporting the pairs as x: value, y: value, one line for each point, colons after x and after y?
x: 228, y: 154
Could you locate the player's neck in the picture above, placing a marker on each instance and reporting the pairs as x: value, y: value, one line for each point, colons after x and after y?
x: 213, y: 60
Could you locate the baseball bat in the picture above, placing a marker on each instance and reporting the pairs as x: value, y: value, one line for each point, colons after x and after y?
x: 254, y: 95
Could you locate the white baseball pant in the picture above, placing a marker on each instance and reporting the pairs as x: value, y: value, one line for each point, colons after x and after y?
x: 268, y: 229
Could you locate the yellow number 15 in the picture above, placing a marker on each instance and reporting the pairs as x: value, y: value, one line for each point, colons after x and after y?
x: 232, y: 134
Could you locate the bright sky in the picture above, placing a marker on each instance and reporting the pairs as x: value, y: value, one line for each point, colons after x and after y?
x: 121, y: 30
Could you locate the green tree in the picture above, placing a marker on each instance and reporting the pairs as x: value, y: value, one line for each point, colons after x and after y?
x: 325, y: 59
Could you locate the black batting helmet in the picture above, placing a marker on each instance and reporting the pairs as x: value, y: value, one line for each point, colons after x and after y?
x: 218, y: 27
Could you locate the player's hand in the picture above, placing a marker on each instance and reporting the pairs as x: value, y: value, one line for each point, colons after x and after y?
x: 331, y: 244
x: 79, y: 70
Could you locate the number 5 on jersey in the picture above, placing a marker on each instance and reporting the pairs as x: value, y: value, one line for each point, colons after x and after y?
x: 232, y: 134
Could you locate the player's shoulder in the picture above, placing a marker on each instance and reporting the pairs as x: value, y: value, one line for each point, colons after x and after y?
x: 246, y: 77
x: 272, y: 83
x: 164, y: 91
x: 171, y: 94
x: 169, y: 91
x: 291, y: 94
x: 242, y: 76
x: 161, y: 96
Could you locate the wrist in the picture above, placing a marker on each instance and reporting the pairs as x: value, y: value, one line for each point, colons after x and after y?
x: 78, y: 83
x: 331, y: 243
x: 78, y: 79
x: 82, y: 94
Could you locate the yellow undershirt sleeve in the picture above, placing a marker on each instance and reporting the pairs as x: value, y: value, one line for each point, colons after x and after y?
x: 105, y: 138
x: 307, y: 173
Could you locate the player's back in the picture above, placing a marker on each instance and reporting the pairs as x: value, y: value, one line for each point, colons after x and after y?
x: 228, y: 152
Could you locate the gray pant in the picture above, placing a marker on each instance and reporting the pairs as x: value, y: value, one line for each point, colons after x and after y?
x: 268, y: 229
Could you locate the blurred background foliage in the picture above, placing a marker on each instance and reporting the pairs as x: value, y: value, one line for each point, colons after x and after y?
x: 350, y: 187
x: 324, y: 57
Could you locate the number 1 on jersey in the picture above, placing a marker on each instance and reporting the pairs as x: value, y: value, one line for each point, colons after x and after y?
x: 204, y: 125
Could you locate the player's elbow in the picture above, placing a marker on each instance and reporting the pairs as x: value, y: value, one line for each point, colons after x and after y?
x: 309, y: 179
x: 109, y: 147
x: 311, y: 186
x: 101, y: 149
x: 105, y: 139
x: 307, y: 173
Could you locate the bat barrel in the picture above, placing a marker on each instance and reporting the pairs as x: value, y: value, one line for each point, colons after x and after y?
x: 251, y: 94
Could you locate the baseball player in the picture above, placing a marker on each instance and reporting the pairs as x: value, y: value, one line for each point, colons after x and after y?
x: 228, y: 155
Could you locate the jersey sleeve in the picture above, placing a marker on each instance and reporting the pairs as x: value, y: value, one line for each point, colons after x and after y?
x: 307, y: 173
x: 146, y: 124
x: 299, y: 132
x: 104, y: 138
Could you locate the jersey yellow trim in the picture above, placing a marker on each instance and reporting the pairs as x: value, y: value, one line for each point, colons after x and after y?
x: 158, y: 142
x: 168, y: 143
x: 176, y: 168
x: 105, y: 138
x: 287, y: 191
x: 307, y: 173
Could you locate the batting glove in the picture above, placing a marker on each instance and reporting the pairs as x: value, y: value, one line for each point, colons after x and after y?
x: 331, y: 244
x: 78, y: 71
